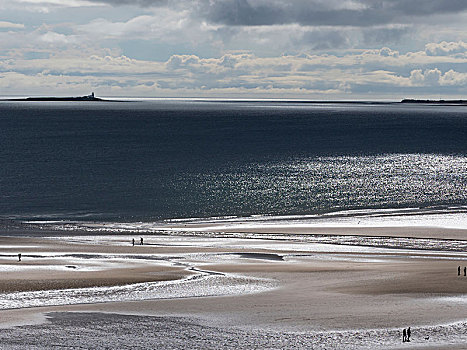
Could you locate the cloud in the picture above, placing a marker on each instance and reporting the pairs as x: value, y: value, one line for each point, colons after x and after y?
x: 454, y: 78
x: 157, y: 29
x: 387, y: 52
x: 445, y: 48
x: 9, y: 25
x: 434, y: 77
x: 167, y: 26
x: 182, y: 61
x: 55, y: 38
x: 102, y: 28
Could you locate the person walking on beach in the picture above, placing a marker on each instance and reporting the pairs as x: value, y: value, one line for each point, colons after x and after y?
x: 458, y: 270
x: 133, y: 242
x: 141, y: 241
x: 404, y: 336
x: 408, y: 334
x: 465, y: 270
x: 19, y: 257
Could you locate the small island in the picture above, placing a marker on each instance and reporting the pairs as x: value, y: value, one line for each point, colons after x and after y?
x: 90, y: 97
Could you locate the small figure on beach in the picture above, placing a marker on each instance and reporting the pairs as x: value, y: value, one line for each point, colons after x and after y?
x: 458, y: 270
x: 404, y: 336
x: 465, y: 270
x: 141, y: 241
x: 408, y: 334
x: 133, y: 242
x: 19, y: 256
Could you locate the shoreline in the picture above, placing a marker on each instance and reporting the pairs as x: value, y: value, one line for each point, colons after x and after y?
x: 432, y: 222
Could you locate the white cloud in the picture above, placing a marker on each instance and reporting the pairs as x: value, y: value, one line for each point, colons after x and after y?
x: 434, y: 77
x: 182, y: 61
x: 387, y: 52
x: 56, y: 38
x: 454, y: 78
x: 167, y: 25
x: 417, y: 77
x: 445, y: 48
x: 10, y: 25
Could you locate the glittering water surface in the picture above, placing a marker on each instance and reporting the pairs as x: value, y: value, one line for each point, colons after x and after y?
x: 196, y: 286
x: 324, y: 183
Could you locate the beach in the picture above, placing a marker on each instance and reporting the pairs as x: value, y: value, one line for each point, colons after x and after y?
x: 276, y: 287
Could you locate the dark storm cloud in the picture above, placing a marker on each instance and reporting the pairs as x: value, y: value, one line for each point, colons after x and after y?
x: 360, y: 13
x: 318, y: 13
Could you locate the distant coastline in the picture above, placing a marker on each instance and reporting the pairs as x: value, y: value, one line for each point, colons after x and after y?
x: 93, y: 98
x: 438, y: 102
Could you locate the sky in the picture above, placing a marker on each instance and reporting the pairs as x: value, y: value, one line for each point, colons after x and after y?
x: 304, y: 49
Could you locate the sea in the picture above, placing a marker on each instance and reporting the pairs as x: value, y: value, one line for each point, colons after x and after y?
x: 155, y: 160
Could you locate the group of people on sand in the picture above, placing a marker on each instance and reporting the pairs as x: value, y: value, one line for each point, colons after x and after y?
x: 140, y: 241
x: 459, y: 271
x: 406, y: 335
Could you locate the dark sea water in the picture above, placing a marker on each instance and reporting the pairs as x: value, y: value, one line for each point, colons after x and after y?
x: 152, y: 160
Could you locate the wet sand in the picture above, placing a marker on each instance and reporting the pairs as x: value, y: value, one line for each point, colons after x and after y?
x: 315, y: 289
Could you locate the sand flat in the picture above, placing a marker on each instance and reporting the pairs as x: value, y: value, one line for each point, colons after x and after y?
x: 340, y: 289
